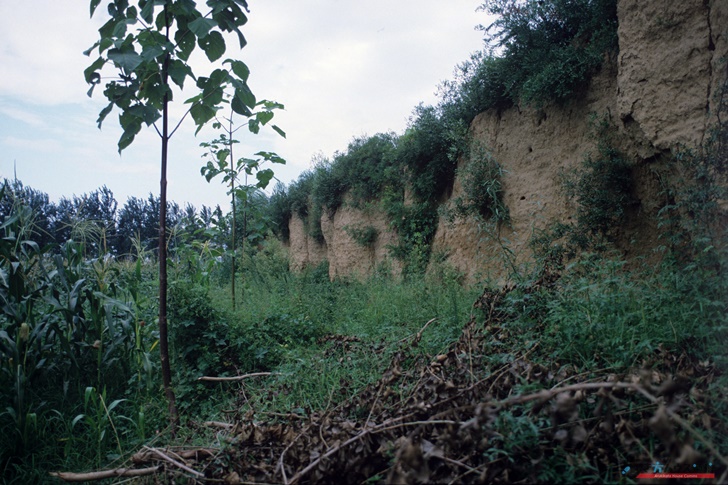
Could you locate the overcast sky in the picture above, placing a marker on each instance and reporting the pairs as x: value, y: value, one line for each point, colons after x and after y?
x: 342, y: 68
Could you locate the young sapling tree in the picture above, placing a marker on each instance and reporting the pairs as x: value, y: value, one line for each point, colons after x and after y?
x: 220, y: 161
x: 148, y: 43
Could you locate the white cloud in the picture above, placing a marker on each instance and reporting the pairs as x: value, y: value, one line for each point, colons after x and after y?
x: 22, y: 115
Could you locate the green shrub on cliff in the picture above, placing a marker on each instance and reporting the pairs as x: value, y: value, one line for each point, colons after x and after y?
x: 549, y: 49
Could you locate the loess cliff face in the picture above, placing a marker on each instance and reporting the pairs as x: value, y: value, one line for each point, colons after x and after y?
x: 658, y: 94
x: 345, y: 255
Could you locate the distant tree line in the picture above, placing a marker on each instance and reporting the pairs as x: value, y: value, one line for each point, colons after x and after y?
x: 97, y: 220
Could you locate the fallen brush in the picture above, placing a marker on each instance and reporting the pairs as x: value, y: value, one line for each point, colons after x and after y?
x: 458, y: 419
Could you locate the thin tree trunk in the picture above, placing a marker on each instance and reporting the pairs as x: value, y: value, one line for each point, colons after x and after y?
x: 245, y: 220
x: 233, y: 236
x: 232, y: 185
x: 163, y: 338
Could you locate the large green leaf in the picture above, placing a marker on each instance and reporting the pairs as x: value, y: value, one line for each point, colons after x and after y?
x: 106, y: 30
x: 243, y: 93
x: 279, y: 131
x: 93, y: 77
x: 178, y: 71
x: 147, y: 114
x: 271, y: 157
x: 240, y: 108
x: 131, y: 125
x: 264, y: 177
x: 127, y: 60
x: 185, y: 43
x: 213, y: 45
x: 239, y: 68
x: 147, y: 13
x: 88, y: 51
x: 230, y: 18
x: 264, y: 117
x: 104, y: 112
x: 201, y: 27
x: 120, y: 28
x: 201, y: 114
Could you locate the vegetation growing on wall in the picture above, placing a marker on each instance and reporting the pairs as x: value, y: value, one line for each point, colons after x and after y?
x: 602, y: 190
x: 694, y: 218
x: 365, y: 236
x: 482, y: 197
x: 550, y: 49
x: 536, y: 53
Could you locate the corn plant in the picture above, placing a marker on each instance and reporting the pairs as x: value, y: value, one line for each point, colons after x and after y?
x: 65, y: 324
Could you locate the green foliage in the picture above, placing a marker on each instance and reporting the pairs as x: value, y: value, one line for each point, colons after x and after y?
x: 280, y: 212
x: 602, y: 189
x: 364, y: 236
x: 695, y: 188
x: 221, y: 161
x: 478, y: 85
x: 482, y: 188
x: 159, y: 50
x: 299, y: 194
x: 67, y: 323
x: 602, y: 315
x: 549, y: 49
x: 297, y: 319
x: 546, y: 51
x: 367, y: 168
x: 196, y: 321
x: 415, y: 225
x: 428, y: 150
x: 328, y: 188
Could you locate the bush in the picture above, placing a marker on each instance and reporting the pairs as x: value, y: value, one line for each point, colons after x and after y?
x: 695, y: 186
x: 368, y: 167
x: 415, y: 225
x: 329, y: 186
x: 364, y: 236
x: 477, y: 87
x: 280, y: 212
x: 428, y: 153
x: 299, y: 194
x: 482, y: 188
x: 197, y: 333
x: 602, y: 188
x: 550, y: 49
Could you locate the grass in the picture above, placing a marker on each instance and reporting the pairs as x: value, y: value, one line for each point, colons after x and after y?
x: 339, y: 336
x: 603, y: 315
x: 600, y: 316
x: 326, y: 341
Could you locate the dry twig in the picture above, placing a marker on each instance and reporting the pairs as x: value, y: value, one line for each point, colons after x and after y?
x: 234, y: 378
x: 103, y: 474
x: 179, y: 465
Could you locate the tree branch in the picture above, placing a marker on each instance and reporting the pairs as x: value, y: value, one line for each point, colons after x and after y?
x: 103, y: 474
x: 234, y: 378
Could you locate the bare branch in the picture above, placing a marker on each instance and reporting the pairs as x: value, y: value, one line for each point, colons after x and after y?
x: 179, y: 465
x: 103, y: 474
x: 234, y: 378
